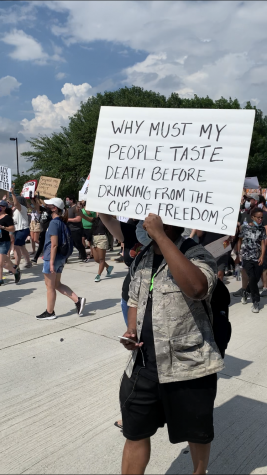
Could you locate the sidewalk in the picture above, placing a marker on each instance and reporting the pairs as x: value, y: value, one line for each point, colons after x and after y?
x: 59, y: 399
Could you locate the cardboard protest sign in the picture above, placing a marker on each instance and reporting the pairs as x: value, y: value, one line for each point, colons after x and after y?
x: 48, y: 186
x: 29, y: 188
x: 251, y: 182
x: 5, y: 178
x: 186, y: 165
x: 84, y: 191
x: 219, y: 247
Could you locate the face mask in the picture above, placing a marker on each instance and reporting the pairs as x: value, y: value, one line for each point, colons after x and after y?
x: 260, y: 205
x: 247, y: 205
x: 141, y: 234
x: 32, y: 205
x: 67, y: 203
x: 256, y: 224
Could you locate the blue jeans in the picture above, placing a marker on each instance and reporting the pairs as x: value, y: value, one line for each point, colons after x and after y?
x: 124, y: 308
x: 4, y: 247
x: 58, y: 265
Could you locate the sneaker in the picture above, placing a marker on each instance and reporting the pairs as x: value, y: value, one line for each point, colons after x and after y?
x: 263, y: 293
x: 46, y: 316
x: 34, y: 261
x: 109, y: 270
x: 120, y: 259
x: 28, y: 265
x: 2, y: 282
x: 86, y: 260
x: 80, y: 305
x: 17, y: 276
x: 98, y: 278
x: 31, y: 253
x: 14, y: 267
x: 244, y: 297
x: 255, y: 307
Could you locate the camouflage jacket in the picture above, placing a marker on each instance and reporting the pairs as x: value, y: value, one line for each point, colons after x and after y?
x: 183, y: 336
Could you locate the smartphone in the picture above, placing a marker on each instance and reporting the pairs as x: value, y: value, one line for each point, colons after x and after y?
x: 127, y: 339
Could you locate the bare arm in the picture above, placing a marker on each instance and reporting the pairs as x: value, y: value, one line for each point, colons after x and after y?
x: 191, y: 280
x: 87, y: 218
x: 9, y: 229
x: 77, y: 218
x: 15, y: 201
x: 131, y: 330
x: 113, y: 225
x: 262, y: 252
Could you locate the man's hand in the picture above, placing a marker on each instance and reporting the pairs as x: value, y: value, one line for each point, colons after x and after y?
x: 260, y: 261
x: 154, y: 226
x: 129, y: 345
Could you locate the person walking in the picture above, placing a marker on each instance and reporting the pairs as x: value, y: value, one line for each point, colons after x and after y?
x: 22, y: 231
x: 251, y: 248
x: 75, y: 227
x: 6, y: 227
x: 87, y: 224
x: 35, y: 227
x: 54, y: 261
x: 100, y: 246
x: 171, y: 376
x: 45, y: 218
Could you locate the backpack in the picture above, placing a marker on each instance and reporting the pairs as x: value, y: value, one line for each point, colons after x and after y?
x: 220, y: 302
x: 66, y: 243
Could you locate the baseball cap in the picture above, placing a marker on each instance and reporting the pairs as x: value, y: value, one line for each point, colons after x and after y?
x: 4, y: 203
x: 56, y: 202
x: 254, y: 196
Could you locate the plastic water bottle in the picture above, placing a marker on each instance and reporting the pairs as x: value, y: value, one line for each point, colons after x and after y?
x: 237, y: 272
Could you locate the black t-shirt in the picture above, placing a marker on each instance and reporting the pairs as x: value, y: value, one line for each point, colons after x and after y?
x: 73, y: 213
x: 150, y: 370
x: 98, y: 227
x: 129, y: 233
x: 5, y: 221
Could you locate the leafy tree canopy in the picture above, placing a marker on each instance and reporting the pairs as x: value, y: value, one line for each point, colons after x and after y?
x: 68, y: 154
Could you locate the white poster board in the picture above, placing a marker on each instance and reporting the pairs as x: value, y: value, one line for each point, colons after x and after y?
x: 219, y: 247
x: 28, y: 187
x: 251, y: 182
x: 5, y: 178
x: 186, y: 165
x: 84, y: 191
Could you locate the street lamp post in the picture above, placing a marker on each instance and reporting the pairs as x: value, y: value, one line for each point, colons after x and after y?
x: 17, y: 150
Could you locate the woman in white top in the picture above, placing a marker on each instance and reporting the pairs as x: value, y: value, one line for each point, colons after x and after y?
x: 35, y: 227
x: 22, y: 231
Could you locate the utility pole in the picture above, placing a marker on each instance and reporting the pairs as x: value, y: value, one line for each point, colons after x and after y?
x: 17, y: 150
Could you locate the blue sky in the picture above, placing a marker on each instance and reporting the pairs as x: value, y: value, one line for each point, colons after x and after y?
x: 56, y: 54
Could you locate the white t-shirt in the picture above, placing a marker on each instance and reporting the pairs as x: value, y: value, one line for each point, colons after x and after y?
x: 20, y: 219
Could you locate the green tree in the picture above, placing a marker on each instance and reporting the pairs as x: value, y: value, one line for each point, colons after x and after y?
x: 68, y: 154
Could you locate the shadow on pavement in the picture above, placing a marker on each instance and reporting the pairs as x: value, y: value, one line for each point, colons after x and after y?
x: 93, y: 306
x: 9, y: 297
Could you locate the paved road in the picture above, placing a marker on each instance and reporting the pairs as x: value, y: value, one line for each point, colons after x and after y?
x: 59, y: 399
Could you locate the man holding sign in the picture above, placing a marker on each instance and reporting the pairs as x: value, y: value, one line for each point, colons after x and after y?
x: 171, y: 378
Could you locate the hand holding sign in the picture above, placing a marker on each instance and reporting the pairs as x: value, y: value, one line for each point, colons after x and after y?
x: 154, y: 226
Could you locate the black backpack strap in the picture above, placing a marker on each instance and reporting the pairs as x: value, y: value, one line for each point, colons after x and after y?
x: 187, y: 244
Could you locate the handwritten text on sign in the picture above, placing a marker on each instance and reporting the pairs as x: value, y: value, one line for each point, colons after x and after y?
x: 5, y: 178
x: 187, y: 165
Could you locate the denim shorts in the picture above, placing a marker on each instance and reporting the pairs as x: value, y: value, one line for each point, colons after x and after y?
x: 58, y: 266
x: 21, y: 236
x: 4, y: 247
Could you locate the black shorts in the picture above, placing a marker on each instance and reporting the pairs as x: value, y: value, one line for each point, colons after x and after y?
x: 88, y: 234
x: 222, y: 262
x: 185, y: 406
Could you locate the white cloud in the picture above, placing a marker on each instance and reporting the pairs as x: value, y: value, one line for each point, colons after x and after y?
x: 7, y: 85
x: 60, y: 76
x: 223, y: 43
x: 50, y: 117
x: 28, y: 49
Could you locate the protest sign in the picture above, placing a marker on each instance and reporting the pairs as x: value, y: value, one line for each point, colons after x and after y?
x: 251, y: 182
x: 186, y: 165
x: 5, y: 178
x: 219, y: 247
x: 29, y: 188
x: 48, y: 186
x: 84, y: 191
